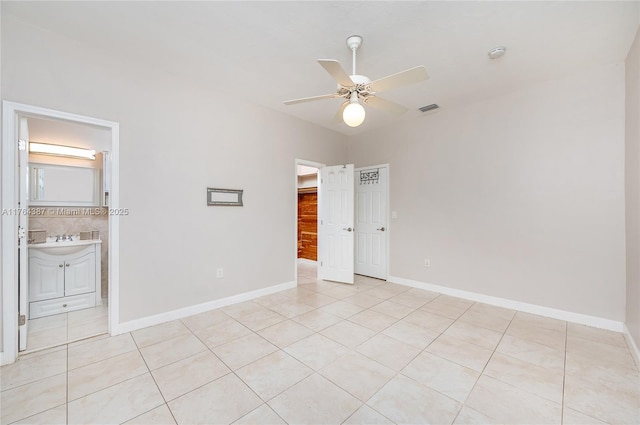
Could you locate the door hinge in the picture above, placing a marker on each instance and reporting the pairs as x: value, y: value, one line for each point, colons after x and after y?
x: 22, y: 320
x: 321, y: 263
x: 21, y: 233
x: 22, y: 145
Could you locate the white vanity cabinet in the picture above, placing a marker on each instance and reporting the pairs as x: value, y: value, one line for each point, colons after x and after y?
x: 63, y: 277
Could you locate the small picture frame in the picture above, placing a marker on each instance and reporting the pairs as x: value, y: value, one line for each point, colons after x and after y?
x: 224, y: 197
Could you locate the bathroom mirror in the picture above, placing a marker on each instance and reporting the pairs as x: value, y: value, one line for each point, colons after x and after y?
x: 63, y: 185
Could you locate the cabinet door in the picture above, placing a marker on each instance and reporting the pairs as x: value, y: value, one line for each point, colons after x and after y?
x: 80, y: 275
x: 46, y: 279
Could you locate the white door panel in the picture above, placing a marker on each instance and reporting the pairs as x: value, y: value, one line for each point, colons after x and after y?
x: 371, y: 222
x: 335, y: 232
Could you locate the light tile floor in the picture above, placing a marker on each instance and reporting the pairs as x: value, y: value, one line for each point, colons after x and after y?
x: 65, y: 327
x: 326, y: 353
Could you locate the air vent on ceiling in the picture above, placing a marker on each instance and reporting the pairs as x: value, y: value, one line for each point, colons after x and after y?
x: 429, y: 107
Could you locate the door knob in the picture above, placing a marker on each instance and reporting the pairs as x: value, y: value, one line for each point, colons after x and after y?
x: 381, y: 229
x: 61, y: 265
x: 348, y: 229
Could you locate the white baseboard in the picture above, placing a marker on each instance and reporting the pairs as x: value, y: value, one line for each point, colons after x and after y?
x: 198, y: 308
x: 583, y: 319
x: 633, y: 347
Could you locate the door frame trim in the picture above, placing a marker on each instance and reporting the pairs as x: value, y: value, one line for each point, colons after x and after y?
x: 9, y: 223
x: 389, y: 227
x: 308, y: 163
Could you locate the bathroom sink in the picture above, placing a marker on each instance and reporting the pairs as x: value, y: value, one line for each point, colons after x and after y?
x: 63, y: 247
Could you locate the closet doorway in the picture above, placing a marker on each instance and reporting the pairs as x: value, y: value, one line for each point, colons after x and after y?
x: 307, y: 213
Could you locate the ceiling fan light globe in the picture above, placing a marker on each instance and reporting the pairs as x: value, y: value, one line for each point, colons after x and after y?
x: 353, y: 115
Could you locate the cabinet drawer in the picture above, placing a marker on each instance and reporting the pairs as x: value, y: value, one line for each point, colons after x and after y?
x: 61, y: 305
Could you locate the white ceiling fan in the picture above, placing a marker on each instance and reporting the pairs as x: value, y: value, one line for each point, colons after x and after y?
x: 359, y: 88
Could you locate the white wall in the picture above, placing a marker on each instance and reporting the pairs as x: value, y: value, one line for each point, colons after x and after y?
x: 632, y: 185
x: 519, y: 197
x: 177, y: 138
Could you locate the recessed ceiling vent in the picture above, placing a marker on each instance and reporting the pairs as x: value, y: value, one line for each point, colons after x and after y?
x: 429, y: 107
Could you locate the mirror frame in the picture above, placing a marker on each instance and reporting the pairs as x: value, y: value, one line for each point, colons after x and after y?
x: 224, y: 197
x: 95, y: 202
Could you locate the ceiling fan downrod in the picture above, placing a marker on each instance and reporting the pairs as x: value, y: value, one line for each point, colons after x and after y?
x: 354, y: 42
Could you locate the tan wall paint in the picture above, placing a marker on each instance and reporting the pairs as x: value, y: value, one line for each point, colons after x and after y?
x: 519, y: 197
x: 632, y: 188
x: 177, y: 138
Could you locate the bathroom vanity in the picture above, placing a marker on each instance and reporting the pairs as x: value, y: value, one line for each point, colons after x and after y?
x: 63, y: 276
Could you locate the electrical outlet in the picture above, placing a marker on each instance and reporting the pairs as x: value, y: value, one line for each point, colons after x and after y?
x: 427, y: 262
x: 220, y: 273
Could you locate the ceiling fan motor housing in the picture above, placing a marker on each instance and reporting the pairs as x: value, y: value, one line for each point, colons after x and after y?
x: 360, y: 79
x: 361, y: 86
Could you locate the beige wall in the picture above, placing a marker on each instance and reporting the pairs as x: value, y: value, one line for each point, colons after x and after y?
x: 632, y: 183
x: 519, y: 197
x: 177, y: 138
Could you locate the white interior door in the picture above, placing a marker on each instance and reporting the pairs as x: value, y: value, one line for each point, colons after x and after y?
x: 23, y: 223
x: 371, y: 222
x: 336, y: 229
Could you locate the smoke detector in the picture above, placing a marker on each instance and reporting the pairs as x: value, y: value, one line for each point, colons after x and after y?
x: 496, y: 52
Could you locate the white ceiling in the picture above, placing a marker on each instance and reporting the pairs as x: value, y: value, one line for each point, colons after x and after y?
x: 266, y: 51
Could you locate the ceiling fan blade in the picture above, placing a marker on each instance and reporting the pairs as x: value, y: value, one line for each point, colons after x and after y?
x: 403, y: 78
x: 336, y: 71
x: 385, y: 105
x: 310, y: 99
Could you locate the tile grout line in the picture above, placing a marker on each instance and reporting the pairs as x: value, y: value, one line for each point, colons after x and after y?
x: 425, y: 350
x: 486, y: 364
x: 66, y: 340
x: 315, y: 308
x: 154, y: 381
x: 402, y: 368
x: 231, y: 371
x: 281, y: 349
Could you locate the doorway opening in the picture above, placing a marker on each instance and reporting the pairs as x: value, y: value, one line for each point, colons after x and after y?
x: 78, y: 306
x: 77, y: 298
x: 307, y: 213
x: 342, y: 218
x: 306, y: 219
